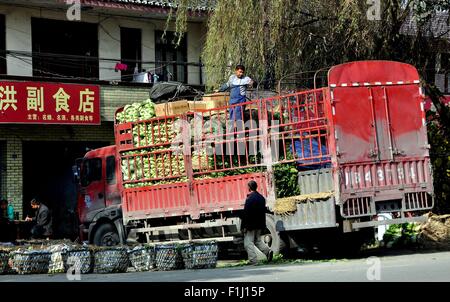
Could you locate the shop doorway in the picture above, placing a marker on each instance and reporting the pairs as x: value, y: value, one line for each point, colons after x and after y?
x: 47, y: 175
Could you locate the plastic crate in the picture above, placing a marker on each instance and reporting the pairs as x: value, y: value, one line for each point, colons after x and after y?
x: 200, y: 255
x: 142, y: 258
x: 168, y: 257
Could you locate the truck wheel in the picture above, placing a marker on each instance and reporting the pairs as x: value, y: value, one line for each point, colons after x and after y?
x: 271, y: 237
x: 106, y: 235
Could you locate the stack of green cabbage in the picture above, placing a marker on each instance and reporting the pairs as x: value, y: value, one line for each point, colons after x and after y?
x: 155, y: 133
x: 156, y: 165
x: 137, y: 112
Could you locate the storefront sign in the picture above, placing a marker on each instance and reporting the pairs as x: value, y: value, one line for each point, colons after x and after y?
x: 49, y: 103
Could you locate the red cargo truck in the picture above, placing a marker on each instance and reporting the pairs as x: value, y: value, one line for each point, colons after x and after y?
x: 361, y: 142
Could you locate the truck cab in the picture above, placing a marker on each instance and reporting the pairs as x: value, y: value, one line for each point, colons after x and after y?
x: 98, y: 200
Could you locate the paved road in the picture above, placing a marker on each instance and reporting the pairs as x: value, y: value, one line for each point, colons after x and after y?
x: 406, y: 268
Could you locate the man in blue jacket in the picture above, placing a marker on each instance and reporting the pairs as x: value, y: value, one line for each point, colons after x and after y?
x: 253, y: 223
x: 237, y: 84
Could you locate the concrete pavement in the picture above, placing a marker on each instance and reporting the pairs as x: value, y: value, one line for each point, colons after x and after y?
x: 423, y: 267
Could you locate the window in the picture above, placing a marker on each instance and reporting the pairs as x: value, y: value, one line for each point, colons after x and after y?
x: 65, y: 49
x: 131, y: 51
x: 111, y: 170
x: 91, y: 170
x: 171, y: 59
x: 2, y: 45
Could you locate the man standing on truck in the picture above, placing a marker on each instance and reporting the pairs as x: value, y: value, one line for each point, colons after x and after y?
x: 42, y: 220
x: 237, y: 84
x: 253, y: 223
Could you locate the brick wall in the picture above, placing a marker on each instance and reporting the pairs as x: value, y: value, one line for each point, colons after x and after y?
x: 113, y: 97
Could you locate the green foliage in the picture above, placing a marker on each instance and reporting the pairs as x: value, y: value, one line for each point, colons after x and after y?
x: 276, y: 38
x: 438, y: 137
x: 401, y: 235
x: 286, y: 180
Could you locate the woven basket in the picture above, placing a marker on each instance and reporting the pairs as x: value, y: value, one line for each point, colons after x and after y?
x: 168, y: 257
x: 200, y: 255
x: 4, y: 262
x: 31, y: 261
x: 111, y: 260
x: 80, y: 260
x: 142, y: 258
x: 58, y: 258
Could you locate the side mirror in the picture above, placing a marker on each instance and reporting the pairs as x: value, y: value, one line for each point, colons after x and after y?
x: 75, y: 174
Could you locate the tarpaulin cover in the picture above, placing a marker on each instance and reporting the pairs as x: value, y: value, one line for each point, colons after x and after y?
x: 308, y: 148
x: 167, y: 91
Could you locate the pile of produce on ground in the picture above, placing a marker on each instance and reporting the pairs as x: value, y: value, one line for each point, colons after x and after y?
x: 401, y: 235
x: 84, y: 259
x: 435, y: 232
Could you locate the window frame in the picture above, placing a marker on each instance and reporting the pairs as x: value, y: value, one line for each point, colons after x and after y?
x: 111, y: 171
x: 86, y: 178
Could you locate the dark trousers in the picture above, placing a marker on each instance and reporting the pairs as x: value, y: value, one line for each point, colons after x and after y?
x: 7, y: 232
x: 37, y: 232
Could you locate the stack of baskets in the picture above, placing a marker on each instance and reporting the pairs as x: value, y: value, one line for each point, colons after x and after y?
x: 79, y: 259
x: 30, y: 261
x: 142, y: 258
x: 168, y: 257
x: 73, y: 259
x: 200, y: 255
x: 76, y: 259
x: 4, y: 261
x: 58, y: 258
x: 109, y: 260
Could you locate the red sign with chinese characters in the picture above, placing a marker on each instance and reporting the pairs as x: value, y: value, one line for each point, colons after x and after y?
x: 49, y: 103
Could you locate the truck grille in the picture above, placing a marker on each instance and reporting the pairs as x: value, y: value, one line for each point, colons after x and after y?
x: 356, y: 207
x: 418, y: 201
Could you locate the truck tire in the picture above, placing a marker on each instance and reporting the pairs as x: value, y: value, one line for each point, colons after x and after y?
x: 106, y: 235
x: 272, y: 237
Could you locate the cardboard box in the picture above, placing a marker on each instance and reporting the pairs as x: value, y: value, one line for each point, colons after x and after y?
x: 216, y: 100
x: 204, y: 105
x: 171, y: 108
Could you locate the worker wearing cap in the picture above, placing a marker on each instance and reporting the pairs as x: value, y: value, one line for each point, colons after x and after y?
x: 237, y: 84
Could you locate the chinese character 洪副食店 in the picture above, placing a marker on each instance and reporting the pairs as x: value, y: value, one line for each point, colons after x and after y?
x: 86, y: 101
x: 8, y: 98
x: 61, y: 98
x: 35, y: 99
